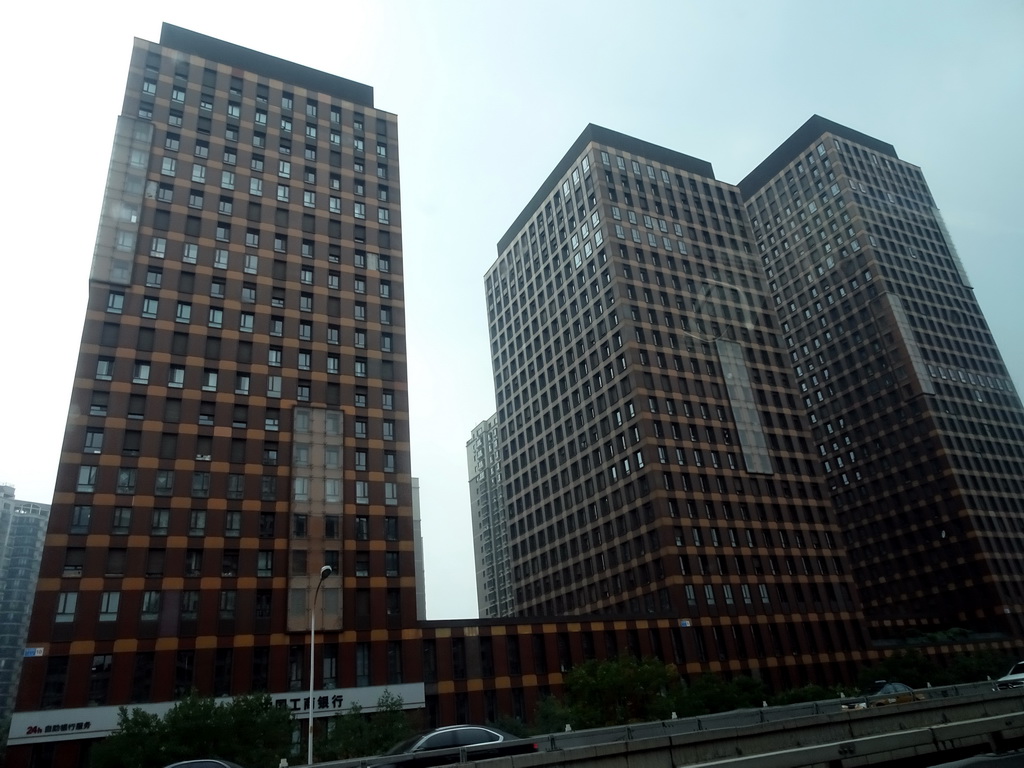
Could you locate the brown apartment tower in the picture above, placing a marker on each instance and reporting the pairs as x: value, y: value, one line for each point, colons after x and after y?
x: 655, y: 451
x: 239, y: 416
x: 913, y: 417
x: 731, y: 403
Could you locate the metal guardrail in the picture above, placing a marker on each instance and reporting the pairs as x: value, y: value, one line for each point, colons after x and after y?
x: 739, y: 718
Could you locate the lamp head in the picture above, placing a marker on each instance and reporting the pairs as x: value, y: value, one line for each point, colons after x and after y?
x: 325, y: 572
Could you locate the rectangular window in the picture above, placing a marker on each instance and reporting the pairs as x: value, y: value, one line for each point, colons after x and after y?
x: 66, y: 604
x: 126, y: 481
x: 200, y: 485
x: 190, y: 605
x: 150, y: 606
x: 160, y: 521
x: 197, y: 522
x: 80, y: 517
x: 122, y: 520
x: 227, y: 604
x: 109, y: 603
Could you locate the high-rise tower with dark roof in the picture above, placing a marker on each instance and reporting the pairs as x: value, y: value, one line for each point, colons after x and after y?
x: 239, y: 416
x: 913, y: 418
x: 655, y: 451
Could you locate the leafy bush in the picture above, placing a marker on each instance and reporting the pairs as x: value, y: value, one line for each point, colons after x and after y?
x: 356, y: 734
x: 248, y: 730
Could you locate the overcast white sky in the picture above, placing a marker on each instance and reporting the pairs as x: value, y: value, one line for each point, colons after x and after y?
x: 489, y: 96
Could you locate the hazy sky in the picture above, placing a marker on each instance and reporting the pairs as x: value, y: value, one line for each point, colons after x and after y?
x: 489, y: 96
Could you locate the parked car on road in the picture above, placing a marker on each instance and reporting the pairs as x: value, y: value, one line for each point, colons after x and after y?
x: 882, y: 693
x: 443, y: 745
x: 1012, y: 679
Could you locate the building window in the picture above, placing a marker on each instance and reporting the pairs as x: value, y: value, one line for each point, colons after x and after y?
x: 391, y: 564
x: 93, y: 442
x: 66, y: 603
x: 81, y: 514
x: 150, y: 606
x: 193, y: 562
x: 122, y: 520
x: 362, y: 664
x: 200, y: 485
x: 227, y: 604
x: 164, y: 482
x: 109, y: 603
x: 115, y: 302
x: 229, y: 563
x: 332, y: 489
x: 209, y: 380
x: 190, y: 605
x: 362, y: 492
x: 197, y: 522
x: 265, y: 563
x: 160, y: 521
x: 126, y: 480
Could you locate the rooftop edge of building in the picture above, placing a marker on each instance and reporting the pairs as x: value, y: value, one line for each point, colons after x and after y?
x: 599, y: 135
x: 187, y: 41
x: 815, y: 127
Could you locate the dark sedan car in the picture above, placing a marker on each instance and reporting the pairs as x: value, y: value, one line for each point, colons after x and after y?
x: 883, y: 693
x: 443, y: 746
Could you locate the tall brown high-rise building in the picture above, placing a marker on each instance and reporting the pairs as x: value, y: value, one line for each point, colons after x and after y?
x: 913, y: 417
x: 239, y: 417
x: 654, y: 447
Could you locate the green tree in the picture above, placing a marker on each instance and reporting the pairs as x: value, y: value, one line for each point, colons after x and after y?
x: 975, y: 667
x: 138, y: 742
x: 623, y: 690
x: 910, y: 667
x: 552, y: 715
x: 709, y: 694
x: 256, y: 731
x: 359, y: 734
x: 249, y: 730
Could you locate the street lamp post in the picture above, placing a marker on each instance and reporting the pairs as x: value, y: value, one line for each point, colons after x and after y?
x: 324, y: 573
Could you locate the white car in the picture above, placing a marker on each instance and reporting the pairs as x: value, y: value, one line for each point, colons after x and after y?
x: 1012, y: 679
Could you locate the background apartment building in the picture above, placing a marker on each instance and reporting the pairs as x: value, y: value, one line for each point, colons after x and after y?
x: 914, y: 420
x: 490, y: 525
x: 654, y: 448
x: 22, y: 532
